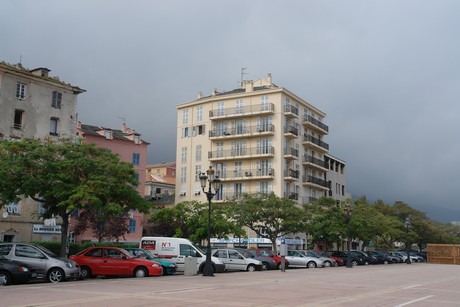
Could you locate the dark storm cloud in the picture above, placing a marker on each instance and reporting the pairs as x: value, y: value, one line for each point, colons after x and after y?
x: 387, y: 73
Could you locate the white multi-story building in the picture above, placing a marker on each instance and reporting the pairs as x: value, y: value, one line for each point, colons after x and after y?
x: 335, y: 177
x: 33, y: 105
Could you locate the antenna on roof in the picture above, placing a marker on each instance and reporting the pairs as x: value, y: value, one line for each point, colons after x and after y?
x: 122, y: 118
x: 20, y: 59
x: 242, y: 74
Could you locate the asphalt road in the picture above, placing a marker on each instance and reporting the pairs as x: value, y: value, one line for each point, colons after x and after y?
x: 417, y: 284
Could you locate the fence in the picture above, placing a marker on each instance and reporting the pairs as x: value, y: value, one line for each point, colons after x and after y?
x: 443, y: 253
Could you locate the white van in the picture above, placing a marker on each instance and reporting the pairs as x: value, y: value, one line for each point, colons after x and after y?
x: 176, y: 249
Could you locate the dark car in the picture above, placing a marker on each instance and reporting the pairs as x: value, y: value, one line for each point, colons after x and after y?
x: 169, y: 267
x: 381, y: 257
x: 15, y: 272
x: 268, y: 253
x: 364, y: 258
x: 267, y: 262
x: 355, y: 259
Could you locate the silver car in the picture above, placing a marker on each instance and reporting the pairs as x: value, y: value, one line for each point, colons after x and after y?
x: 297, y: 259
x: 48, y: 265
x: 328, y: 262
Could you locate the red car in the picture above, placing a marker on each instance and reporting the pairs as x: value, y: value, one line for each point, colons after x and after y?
x: 339, y: 261
x: 106, y: 261
x: 268, y: 253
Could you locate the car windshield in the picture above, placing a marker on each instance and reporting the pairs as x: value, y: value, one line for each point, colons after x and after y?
x: 46, y: 251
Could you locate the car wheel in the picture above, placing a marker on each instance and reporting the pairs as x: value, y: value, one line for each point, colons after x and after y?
x: 385, y: 262
x: 265, y: 266
x: 55, y: 275
x: 251, y: 268
x: 366, y: 262
x: 354, y: 263
x: 327, y: 264
x: 311, y: 265
x: 140, y: 272
x: 5, y: 278
x: 165, y: 271
x: 85, y: 272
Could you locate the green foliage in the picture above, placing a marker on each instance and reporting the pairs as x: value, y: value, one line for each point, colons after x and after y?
x: 270, y: 217
x: 65, y: 176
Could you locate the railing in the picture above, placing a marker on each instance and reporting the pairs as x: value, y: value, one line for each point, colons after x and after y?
x: 308, y: 199
x: 291, y: 195
x: 243, y: 110
x: 239, y: 152
x: 291, y: 129
x: 316, y: 141
x: 291, y: 152
x: 289, y: 108
x: 222, y: 197
x: 241, y: 130
x: 291, y: 173
x: 314, y: 180
x: 313, y: 160
x: 314, y: 121
x: 247, y: 173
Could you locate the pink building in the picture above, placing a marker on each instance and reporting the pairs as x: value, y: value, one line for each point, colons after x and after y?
x: 127, y: 143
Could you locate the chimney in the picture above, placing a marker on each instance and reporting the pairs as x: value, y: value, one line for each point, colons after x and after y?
x: 269, y: 78
x: 200, y: 95
x: 41, y: 71
x: 248, y: 86
x: 214, y: 92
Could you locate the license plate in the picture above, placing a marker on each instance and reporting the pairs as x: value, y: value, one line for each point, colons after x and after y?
x: 34, y: 275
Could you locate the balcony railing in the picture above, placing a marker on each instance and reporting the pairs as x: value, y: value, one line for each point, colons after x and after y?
x: 315, y: 180
x: 315, y: 161
x: 308, y: 199
x: 243, y: 131
x: 289, y: 109
x: 291, y: 173
x: 291, y: 152
x: 243, y: 110
x: 308, y: 119
x: 291, y: 195
x: 291, y: 130
x: 246, y: 174
x: 242, y: 152
x: 311, y: 139
x: 223, y: 197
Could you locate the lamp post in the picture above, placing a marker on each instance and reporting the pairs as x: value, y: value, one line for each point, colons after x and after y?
x: 212, y: 182
x: 347, y: 209
x: 407, y: 224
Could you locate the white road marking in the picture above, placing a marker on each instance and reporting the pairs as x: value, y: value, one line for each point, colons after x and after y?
x: 413, y: 301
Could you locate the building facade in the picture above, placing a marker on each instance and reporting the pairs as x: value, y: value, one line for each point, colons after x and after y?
x: 335, y: 177
x: 33, y: 105
x: 127, y: 143
x: 160, y: 180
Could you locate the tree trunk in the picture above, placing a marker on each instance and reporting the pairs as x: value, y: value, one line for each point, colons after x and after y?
x: 64, y: 234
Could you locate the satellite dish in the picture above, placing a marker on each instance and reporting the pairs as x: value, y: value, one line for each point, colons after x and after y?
x: 5, y: 214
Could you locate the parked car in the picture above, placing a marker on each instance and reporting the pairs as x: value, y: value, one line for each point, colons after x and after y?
x: 416, y: 256
x: 297, y: 259
x: 268, y: 253
x: 366, y: 259
x: 48, y: 265
x: 169, y: 267
x: 393, y: 259
x: 338, y: 260
x: 328, y: 262
x: 267, y: 262
x: 102, y: 260
x: 234, y: 261
x: 15, y: 272
x: 381, y: 257
x: 403, y: 256
x: 355, y: 259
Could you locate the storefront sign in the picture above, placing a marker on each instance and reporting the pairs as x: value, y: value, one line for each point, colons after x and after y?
x: 38, y: 228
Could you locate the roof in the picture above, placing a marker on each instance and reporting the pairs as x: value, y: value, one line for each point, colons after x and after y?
x: 162, y: 164
x: 116, y: 134
x: 160, y: 179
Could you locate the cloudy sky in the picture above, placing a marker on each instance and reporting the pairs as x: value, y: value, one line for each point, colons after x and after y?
x: 386, y: 73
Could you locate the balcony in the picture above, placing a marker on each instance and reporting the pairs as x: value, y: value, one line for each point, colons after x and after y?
x: 308, y: 199
x: 315, y: 182
x: 291, y: 111
x: 291, y: 174
x: 242, y: 132
x: 291, y: 132
x: 242, y: 111
x: 312, y: 123
x: 291, y: 195
x: 247, y: 174
x: 314, y: 162
x: 311, y: 141
x: 291, y: 153
x: 241, y: 153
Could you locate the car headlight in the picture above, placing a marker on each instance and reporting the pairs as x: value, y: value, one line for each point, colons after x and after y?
x: 69, y: 264
x: 172, y: 265
x: 155, y: 265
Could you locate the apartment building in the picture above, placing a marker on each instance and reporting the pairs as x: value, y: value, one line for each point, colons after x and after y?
x: 160, y: 180
x: 33, y: 105
x: 260, y: 138
x: 335, y: 177
x: 127, y: 143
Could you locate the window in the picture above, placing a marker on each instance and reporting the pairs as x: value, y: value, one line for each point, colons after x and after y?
x: 12, y: 208
x: 197, y: 172
x: 199, y: 113
x: 220, y: 149
x: 198, y: 153
x: 239, y: 106
x: 136, y: 176
x: 112, y: 253
x: 20, y: 91
x: 187, y: 250
x: 185, y: 116
x: 136, y: 158
x: 97, y: 252
x: 220, y: 108
x: 264, y: 103
x: 199, y: 130
x: 132, y: 226
x: 56, y: 101
x: 183, y: 174
x: 28, y: 252
x: 54, y: 126
x: 108, y: 134
x: 184, y: 155
x: 137, y: 140
x: 41, y: 208
x: 18, y: 118
x: 185, y: 132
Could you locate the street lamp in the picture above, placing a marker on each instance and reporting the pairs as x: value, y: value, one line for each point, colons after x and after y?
x: 407, y: 224
x: 347, y: 209
x: 213, y: 183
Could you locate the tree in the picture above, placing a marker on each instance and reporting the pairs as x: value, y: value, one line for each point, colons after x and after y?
x: 189, y: 219
x: 269, y: 217
x: 66, y: 176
